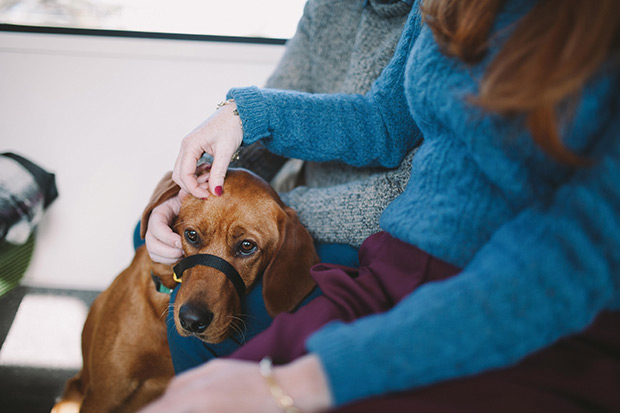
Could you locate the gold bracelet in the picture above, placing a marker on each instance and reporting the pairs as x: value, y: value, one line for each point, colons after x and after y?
x: 282, y: 399
x: 228, y: 102
x: 235, y: 156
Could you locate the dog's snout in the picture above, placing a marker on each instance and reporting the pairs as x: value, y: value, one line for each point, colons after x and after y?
x: 194, y: 319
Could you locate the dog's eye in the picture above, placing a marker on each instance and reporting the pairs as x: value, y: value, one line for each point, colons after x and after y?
x: 191, y: 236
x: 246, y: 248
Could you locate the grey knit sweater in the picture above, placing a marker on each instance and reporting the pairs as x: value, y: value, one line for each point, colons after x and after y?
x: 340, y: 46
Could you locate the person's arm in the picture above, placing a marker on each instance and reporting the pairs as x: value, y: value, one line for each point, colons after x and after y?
x: 292, y: 73
x: 224, y: 385
x: 542, y: 276
x: 374, y: 129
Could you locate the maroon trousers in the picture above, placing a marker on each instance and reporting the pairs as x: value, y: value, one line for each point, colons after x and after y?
x: 389, y: 270
x: 579, y: 373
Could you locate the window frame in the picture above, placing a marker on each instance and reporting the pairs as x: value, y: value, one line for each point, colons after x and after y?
x: 16, y: 28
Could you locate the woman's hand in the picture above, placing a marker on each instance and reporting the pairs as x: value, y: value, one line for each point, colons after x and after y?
x: 162, y: 244
x: 236, y: 386
x: 220, y: 136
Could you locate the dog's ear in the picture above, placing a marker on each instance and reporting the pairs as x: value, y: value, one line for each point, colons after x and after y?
x: 165, y: 189
x: 286, y: 280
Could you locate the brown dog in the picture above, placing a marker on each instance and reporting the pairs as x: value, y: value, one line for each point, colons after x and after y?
x: 126, y: 360
x: 250, y: 228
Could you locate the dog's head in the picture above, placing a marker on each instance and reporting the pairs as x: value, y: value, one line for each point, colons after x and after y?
x: 251, y: 229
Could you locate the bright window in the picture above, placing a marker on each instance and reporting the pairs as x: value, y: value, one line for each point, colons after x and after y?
x: 245, y: 18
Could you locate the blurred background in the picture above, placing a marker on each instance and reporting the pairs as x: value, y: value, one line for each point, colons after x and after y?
x: 251, y: 18
x: 100, y: 93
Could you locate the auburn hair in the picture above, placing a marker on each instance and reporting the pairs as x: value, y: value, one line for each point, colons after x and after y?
x: 551, y: 53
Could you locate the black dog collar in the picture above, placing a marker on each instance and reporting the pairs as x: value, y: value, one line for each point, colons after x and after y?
x: 212, y: 261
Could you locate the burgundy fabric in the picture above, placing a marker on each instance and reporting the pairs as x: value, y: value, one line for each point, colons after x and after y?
x: 389, y: 270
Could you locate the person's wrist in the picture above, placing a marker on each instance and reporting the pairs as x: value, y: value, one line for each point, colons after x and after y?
x: 280, y: 396
x: 306, y: 383
x: 230, y: 106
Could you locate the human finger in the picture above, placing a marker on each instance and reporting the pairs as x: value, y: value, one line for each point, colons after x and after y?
x: 218, y: 172
x: 184, y: 172
x: 162, y: 218
x: 162, y: 253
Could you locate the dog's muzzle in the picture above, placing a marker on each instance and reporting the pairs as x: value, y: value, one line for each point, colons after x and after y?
x: 212, y: 261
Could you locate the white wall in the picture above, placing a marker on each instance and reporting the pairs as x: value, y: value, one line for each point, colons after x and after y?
x: 106, y: 115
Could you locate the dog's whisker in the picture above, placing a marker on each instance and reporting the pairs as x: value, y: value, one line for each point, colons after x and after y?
x: 164, y: 310
x: 239, y: 319
x: 235, y: 328
x: 239, y: 325
x: 239, y: 333
x: 167, y: 309
x: 249, y: 316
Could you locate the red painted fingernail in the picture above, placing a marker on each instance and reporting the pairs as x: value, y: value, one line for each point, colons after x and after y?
x: 218, y: 190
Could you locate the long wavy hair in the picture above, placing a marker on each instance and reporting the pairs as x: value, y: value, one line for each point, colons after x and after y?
x: 554, y: 49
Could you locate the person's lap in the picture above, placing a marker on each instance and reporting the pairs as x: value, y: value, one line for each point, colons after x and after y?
x: 389, y: 270
x: 577, y: 374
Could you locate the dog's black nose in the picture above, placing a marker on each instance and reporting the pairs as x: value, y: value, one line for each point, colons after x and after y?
x: 194, y: 319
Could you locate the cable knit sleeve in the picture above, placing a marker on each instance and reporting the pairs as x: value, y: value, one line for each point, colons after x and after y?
x: 292, y: 73
x: 543, y: 275
x: 373, y: 129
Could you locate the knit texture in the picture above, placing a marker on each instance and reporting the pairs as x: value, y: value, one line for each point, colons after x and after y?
x: 538, y: 240
x: 339, y: 46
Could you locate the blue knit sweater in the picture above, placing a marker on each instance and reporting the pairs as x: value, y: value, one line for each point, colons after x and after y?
x: 538, y: 241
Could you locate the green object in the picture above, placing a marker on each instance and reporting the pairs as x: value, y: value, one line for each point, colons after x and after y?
x: 14, y: 261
